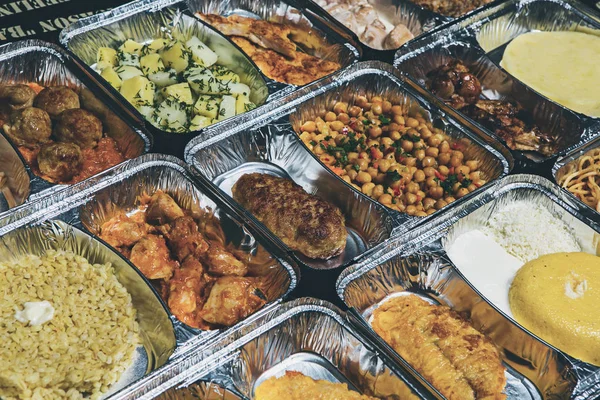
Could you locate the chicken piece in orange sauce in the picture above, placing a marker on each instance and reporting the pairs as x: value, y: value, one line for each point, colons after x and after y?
x: 205, y: 282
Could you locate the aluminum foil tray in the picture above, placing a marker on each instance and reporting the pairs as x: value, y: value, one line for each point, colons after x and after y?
x: 568, y: 163
x: 49, y: 65
x: 144, y: 20
x: 271, y: 138
x: 418, y: 263
x: 480, y: 40
x: 73, y: 215
x: 417, y: 19
x: 306, y: 335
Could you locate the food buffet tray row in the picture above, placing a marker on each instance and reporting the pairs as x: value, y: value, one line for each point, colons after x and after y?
x: 306, y: 335
x: 388, y: 252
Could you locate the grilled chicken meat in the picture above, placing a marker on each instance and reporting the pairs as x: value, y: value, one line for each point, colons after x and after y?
x: 151, y: 255
x: 272, y: 48
x: 507, y: 121
x: 221, y: 262
x: 202, y: 281
x: 162, y: 209
x: 231, y: 299
x: 122, y: 231
x: 268, y: 35
x: 304, y: 222
x: 462, y: 90
x: 185, y: 240
x: 457, y: 359
x: 186, y: 291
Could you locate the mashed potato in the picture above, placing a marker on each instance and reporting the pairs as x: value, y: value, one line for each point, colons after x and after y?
x: 556, y: 297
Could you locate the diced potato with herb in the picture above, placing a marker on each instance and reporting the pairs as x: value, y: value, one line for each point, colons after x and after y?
x: 243, y: 104
x: 112, y: 77
x: 207, y: 106
x: 106, y: 58
x: 224, y: 74
x: 199, y: 122
x: 151, y: 64
x: 146, y: 110
x: 164, y: 78
x: 155, y: 46
x: 131, y: 46
x: 128, y: 72
x: 172, y: 115
x: 180, y: 91
x: 194, y: 90
x: 138, y: 90
x: 176, y: 56
x: 226, y: 108
x: 201, y: 53
x: 128, y: 59
x: 239, y: 88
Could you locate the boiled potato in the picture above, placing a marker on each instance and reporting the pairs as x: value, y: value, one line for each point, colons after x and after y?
x: 239, y: 88
x: 224, y: 74
x: 172, y: 115
x: 151, y: 64
x: 243, y: 104
x: 180, y: 91
x: 138, y: 90
x: 128, y: 72
x: 128, y: 59
x: 176, y: 56
x: 131, y: 46
x: 199, y: 122
x: 155, y: 46
x: 106, y: 58
x: 164, y: 78
x: 201, y: 53
x: 112, y: 77
x: 207, y: 106
x: 226, y: 108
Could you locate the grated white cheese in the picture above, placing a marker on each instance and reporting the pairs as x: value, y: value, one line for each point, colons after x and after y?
x: 528, y: 231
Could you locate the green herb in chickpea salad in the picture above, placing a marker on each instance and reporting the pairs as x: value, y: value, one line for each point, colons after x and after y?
x: 392, y: 155
x: 176, y: 85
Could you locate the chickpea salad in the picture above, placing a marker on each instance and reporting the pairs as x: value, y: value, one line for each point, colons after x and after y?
x: 392, y: 155
x: 178, y: 86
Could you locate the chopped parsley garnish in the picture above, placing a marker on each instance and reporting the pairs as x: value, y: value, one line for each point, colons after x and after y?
x: 384, y: 120
x: 393, y: 175
x: 466, y: 182
x: 449, y: 182
x: 313, y: 143
x: 411, y: 138
x: 356, y: 167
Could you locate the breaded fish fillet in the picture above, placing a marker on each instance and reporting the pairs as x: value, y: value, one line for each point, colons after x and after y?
x: 457, y: 359
x: 296, y: 386
x: 302, y: 221
x: 301, y: 70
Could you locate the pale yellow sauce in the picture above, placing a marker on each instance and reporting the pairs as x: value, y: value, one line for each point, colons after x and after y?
x: 556, y: 297
x: 563, y: 66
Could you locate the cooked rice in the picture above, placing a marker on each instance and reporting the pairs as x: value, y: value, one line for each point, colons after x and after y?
x: 88, y: 344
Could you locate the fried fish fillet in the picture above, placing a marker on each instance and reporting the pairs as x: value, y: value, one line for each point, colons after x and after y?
x: 457, y: 359
x: 302, y: 221
x: 296, y: 386
x: 301, y: 70
x: 269, y: 35
x: 272, y: 46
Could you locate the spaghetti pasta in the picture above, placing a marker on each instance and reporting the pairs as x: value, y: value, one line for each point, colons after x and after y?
x: 582, y: 179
